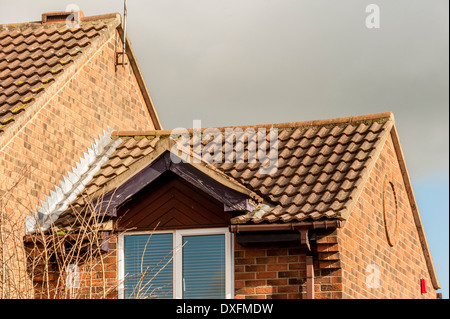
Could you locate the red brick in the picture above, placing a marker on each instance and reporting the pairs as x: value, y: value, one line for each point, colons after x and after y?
x: 255, y: 253
x: 266, y: 260
x: 363, y: 241
x: 242, y: 276
x: 245, y: 291
x: 267, y: 275
x: 288, y: 259
x: 278, y: 282
x: 288, y: 289
x: 277, y: 252
x: 244, y: 261
x: 266, y: 290
x: 254, y: 283
x: 277, y: 267
x: 254, y: 268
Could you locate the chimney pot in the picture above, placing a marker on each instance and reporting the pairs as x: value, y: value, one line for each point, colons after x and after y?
x: 61, y: 16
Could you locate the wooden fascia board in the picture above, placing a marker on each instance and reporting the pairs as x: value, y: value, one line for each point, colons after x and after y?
x: 392, y: 131
x: 145, y: 176
x: 165, y: 144
x: 414, y: 208
x: 140, y: 80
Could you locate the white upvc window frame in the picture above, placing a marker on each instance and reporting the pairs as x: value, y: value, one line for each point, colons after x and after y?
x: 178, y: 258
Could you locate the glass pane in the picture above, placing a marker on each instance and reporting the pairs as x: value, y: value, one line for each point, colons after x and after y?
x: 148, y: 268
x: 204, y: 266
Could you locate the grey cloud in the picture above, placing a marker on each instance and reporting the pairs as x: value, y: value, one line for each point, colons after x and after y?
x: 263, y: 61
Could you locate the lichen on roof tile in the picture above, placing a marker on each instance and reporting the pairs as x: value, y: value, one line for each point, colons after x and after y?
x: 32, y: 54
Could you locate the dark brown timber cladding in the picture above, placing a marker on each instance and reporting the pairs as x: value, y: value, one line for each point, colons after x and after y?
x: 170, y: 202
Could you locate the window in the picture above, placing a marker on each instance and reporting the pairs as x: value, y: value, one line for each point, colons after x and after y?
x: 190, y: 264
x: 148, y: 265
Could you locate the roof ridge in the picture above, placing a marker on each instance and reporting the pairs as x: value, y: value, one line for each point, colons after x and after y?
x: 19, y: 25
x: 102, y: 17
x: 306, y: 124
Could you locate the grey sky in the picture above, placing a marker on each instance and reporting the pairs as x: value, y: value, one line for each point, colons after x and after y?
x: 240, y: 62
x: 281, y: 61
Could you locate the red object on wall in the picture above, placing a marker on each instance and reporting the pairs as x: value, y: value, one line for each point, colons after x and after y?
x: 423, y: 286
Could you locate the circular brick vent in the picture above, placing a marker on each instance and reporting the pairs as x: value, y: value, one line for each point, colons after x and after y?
x: 390, y: 210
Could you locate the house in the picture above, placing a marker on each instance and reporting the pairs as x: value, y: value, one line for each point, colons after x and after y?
x: 317, y: 209
x: 63, y: 81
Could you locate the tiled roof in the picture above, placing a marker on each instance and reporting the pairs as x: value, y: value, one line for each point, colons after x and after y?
x: 127, y: 153
x: 33, y: 56
x: 319, y: 170
x: 321, y: 166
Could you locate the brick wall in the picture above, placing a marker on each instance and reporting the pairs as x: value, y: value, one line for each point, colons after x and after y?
x: 378, y: 241
x: 377, y: 254
x: 279, y: 272
x: 367, y: 249
x: 54, y: 138
x: 261, y: 272
x: 97, y: 278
